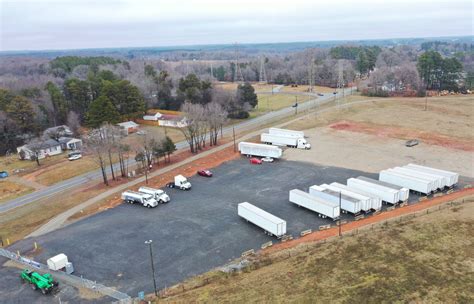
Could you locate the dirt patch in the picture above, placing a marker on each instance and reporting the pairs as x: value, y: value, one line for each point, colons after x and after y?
x: 321, y: 235
x: 404, y: 133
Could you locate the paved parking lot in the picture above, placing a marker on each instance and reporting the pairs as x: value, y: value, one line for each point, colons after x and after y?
x: 197, y: 231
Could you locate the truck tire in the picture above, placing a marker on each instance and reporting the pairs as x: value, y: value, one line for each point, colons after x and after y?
x: 148, y: 206
x: 33, y: 286
x: 44, y: 291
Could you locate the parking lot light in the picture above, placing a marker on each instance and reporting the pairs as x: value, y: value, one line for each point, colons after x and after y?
x: 152, y: 265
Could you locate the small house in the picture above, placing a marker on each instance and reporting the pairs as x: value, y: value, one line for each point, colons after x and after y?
x: 69, y: 143
x: 152, y: 117
x: 42, y: 149
x: 128, y: 127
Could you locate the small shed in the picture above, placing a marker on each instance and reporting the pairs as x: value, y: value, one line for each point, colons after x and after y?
x: 128, y: 127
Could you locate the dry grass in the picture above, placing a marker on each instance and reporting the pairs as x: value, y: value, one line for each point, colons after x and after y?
x: 268, y: 102
x: 449, y: 115
x: 10, y: 190
x: 19, y: 222
x: 426, y: 260
x: 305, y: 89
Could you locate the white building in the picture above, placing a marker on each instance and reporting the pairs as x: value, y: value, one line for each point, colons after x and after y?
x: 69, y: 143
x: 43, y: 149
x: 128, y: 127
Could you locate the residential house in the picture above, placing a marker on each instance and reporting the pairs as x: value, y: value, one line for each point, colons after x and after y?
x: 43, y: 149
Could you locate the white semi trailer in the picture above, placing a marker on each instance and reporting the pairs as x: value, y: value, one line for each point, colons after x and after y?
x: 348, y: 203
x: 452, y: 176
x: 286, y: 132
x: 283, y: 140
x: 386, y: 194
x: 403, y: 194
x: 322, y: 207
x: 144, y: 199
x: 438, y: 181
x: 375, y: 201
x: 410, y: 182
x: 262, y: 150
x: 158, y: 194
x: 364, y: 201
x: 271, y: 224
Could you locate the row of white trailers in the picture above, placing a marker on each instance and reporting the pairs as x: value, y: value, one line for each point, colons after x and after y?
x: 360, y: 195
x: 420, y: 179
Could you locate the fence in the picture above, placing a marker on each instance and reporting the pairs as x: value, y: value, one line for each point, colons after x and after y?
x: 260, y: 259
x: 73, y: 280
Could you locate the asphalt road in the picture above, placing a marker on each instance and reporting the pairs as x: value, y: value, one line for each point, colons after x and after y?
x: 197, y: 231
x: 97, y: 175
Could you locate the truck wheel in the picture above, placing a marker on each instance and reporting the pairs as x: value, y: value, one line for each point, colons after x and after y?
x: 43, y: 291
x: 148, y: 206
x: 33, y: 286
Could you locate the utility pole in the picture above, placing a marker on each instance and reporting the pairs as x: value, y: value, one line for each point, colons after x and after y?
x: 340, y: 214
x: 263, y: 74
x: 152, y: 265
x: 296, y: 105
x: 238, y: 76
x: 233, y: 134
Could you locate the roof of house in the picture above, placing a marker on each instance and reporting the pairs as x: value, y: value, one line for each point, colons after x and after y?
x: 171, y: 117
x: 63, y: 128
x: 43, y: 144
x: 128, y: 124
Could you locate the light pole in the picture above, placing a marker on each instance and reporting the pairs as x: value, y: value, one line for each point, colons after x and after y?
x: 152, y: 265
x: 340, y: 214
x: 233, y: 134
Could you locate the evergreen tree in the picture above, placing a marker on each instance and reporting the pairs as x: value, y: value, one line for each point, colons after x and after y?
x: 246, y: 94
x: 100, y: 111
x: 20, y: 111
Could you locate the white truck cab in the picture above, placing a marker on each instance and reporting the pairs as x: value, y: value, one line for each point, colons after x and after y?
x: 181, y: 182
x: 146, y: 200
x: 302, y: 143
x: 159, y: 195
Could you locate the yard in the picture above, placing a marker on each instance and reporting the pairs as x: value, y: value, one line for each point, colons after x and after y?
x: 10, y: 190
x: 268, y: 102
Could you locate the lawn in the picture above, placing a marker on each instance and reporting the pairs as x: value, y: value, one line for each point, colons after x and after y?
x: 425, y: 260
x: 305, y: 88
x: 10, y: 190
x: 268, y: 102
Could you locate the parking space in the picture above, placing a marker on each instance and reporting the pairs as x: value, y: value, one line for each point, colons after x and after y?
x: 197, y: 231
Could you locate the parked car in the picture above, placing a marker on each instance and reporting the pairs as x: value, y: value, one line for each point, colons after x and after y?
x: 255, y: 161
x: 412, y: 142
x: 75, y: 157
x: 3, y: 174
x: 205, y: 173
x: 267, y: 160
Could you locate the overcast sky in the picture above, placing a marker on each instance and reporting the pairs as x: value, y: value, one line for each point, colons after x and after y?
x: 72, y: 24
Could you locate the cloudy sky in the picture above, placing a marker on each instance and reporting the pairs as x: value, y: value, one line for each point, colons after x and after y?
x: 71, y: 24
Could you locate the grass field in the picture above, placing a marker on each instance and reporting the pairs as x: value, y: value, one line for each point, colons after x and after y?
x: 305, y: 88
x: 425, y: 260
x: 268, y: 102
x: 10, y: 190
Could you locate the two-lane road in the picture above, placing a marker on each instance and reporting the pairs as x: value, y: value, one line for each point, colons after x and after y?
x: 97, y: 175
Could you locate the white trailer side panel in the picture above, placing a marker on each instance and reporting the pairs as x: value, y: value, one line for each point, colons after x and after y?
x: 315, y: 204
x: 387, y: 195
x: 364, y: 201
x: 375, y: 202
x: 262, y: 150
x: 452, y: 176
x: 379, y: 187
x: 286, y: 132
x: 438, y: 181
x: 279, y: 140
x: 347, y: 203
x: 411, y: 183
x: 431, y: 185
x: 403, y: 193
x: 262, y: 219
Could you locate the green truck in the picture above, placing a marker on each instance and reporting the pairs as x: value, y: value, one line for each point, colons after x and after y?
x: 44, y: 282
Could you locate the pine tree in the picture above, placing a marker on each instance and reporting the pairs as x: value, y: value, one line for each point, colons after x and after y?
x: 100, y: 111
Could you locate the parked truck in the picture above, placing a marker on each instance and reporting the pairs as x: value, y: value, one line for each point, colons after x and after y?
x: 374, y: 203
x: 144, y: 199
x: 386, y: 194
x: 160, y: 196
x: 180, y: 182
x: 271, y: 224
x: 452, y: 176
x: 286, y: 132
x: 348, y: 203
x: 283, y: 140
x: 44, y: 282
x: 322, y: 207
x: 403, y: 193
x: 252, y: 149
x: 412, y: 183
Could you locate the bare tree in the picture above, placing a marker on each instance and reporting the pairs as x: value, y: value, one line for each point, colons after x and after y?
x: 216, y: 117
x: 193, y: 116
x: 96, y: 144
x: 73, y: 122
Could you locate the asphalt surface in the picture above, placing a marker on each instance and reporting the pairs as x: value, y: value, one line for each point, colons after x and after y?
x: 97, y: 175
x: 197, y: 231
